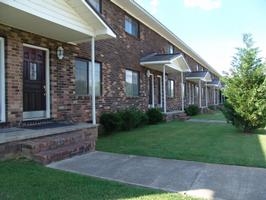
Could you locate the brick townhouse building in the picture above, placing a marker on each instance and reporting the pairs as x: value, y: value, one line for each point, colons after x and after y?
x: 48, y: 50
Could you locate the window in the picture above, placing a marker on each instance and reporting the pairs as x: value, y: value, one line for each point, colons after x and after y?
x: 2, y: 81
x: 131, y: 26
x: 96, y: 4
x: 171, y: 49
x: 84, y: 77
x: 132, y: 83
x: 170, y: 88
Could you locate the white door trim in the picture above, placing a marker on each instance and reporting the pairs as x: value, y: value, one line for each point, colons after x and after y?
x: 47, y: 85
x: 2, y: 81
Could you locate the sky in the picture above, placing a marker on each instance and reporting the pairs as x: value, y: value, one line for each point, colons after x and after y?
x: 213, y: 28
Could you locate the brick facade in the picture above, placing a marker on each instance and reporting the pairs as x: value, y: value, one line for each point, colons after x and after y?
x: 115, y: 55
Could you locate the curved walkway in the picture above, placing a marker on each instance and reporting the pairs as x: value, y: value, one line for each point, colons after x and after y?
x: 209, y: 181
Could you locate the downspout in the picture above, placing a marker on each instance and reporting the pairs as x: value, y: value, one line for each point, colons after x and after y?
x: 214, y: 96
x: 200, y: 93
x: 182, y: 90
x: 152, y: 79
x: 164, y: 90
x: 93, y: 80
x: 206, y: 94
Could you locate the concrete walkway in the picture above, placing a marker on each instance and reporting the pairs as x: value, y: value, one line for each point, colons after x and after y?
x: 209, y: 181
x: 207, y: 121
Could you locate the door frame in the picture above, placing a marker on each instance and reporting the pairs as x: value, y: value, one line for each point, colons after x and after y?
x: 2, y: 81
x: 47, y: 86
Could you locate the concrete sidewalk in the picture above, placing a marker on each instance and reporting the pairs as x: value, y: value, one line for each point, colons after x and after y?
x: 210, y: 181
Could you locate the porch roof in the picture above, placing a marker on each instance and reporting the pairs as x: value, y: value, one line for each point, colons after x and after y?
x: 215, y: 83
x: 172, y: 62
x: 199, y: 75
x: 63, y: 20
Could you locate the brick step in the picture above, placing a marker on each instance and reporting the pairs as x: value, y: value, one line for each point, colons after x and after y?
x: 46, y: 157
x: 52, y: 142
x: 33, y: 123
x: 183, y: 116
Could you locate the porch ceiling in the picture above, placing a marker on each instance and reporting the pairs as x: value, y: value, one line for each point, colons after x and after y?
x: 172, y: 63
x: 199, y: 76
x: 215, y: 83
x: 64, y: 20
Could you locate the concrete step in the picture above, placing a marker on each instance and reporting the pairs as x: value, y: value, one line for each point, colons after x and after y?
x: 46, y: 157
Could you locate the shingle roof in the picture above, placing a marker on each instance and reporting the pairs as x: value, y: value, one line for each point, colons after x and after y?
x: 215, y: 82
x: 197, y: 74
x: 159, y: 57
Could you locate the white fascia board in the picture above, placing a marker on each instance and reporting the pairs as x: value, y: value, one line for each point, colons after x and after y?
x: 107, y: 30
x: 164, y: 62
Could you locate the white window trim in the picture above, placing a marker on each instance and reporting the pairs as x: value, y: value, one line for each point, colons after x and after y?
x: 47, y: 79
x: 2, y: 81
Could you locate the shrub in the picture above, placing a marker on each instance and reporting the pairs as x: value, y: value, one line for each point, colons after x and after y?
x: 212, y: 107
x: 111, y: 122
x: 132, y: 118
x: 192, y: 110
x: 154, y: 116
x: 245, y: 88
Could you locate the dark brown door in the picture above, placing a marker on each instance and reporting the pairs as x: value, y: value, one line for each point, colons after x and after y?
x: 33, y: 80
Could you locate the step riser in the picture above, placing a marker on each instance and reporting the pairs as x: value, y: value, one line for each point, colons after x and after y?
x: 54, y: 142
x: 56, y: 156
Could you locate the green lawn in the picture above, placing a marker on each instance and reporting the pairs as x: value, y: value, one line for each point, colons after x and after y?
x: 26, y: 180
x: 215, y: 116
x: 206, y: 142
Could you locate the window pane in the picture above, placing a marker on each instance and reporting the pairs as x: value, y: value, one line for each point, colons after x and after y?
x: 81, y: 77
x: 97, y: 79
x: 95, y: 4
x: 131, y: 26
x: 132, y: 83
x: 170, y: 88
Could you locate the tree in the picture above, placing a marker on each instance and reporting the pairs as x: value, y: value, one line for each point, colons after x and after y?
x: 245, y: 88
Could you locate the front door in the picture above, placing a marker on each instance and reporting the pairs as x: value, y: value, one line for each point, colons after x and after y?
x: 34, y: 100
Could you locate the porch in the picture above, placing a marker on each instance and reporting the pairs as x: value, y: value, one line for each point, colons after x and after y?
x: 49, y: 142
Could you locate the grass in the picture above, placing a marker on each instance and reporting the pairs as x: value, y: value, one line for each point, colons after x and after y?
x: 26, y: 180
x: 214, y: 116
x: 205, y: 142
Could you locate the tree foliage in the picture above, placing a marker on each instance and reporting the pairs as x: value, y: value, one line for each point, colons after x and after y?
x: 245, y: 88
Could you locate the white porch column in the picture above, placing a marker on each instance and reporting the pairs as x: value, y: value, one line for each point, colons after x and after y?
x: 182, y: 90
x: 206, y: 94
x: 164, y: 90
x: 93, y: 80
x: 214, y: 96
x: 200, y: 93
x: 152, y: 79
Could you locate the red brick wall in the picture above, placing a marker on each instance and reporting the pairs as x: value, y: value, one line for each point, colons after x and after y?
x: 61, y: 74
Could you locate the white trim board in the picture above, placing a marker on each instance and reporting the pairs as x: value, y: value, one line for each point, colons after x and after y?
x: 47, y: 77
x: 2, y: 81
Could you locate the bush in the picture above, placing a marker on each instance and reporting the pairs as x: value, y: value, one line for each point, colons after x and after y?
x: 192, y: 110
x: 111, y: 122
x: 154, y: 116
x: 132, y: 118
x: 235, y: 119
x: 212, y: 107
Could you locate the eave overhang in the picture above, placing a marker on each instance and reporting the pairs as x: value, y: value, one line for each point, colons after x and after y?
x: 70, y: 21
